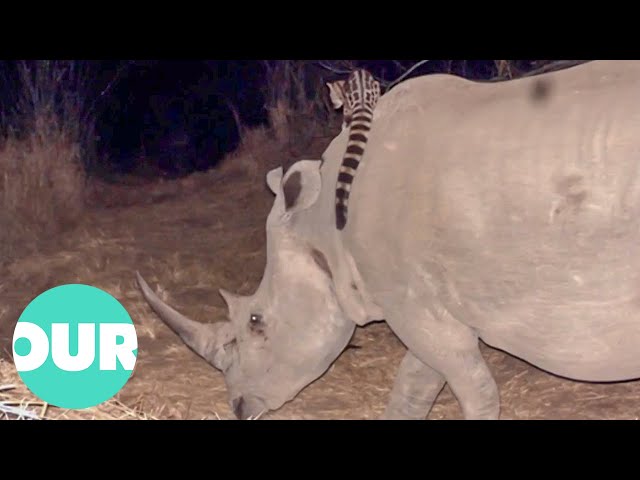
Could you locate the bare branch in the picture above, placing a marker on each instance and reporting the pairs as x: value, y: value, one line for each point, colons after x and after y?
x: 399, y: 66
x: 405, y: 74
x: 236, y: 116
x: 556, y: 65
x: 549, y: 67
x: 503, y: 67
x: 331, y: 68
x: 109, y: 86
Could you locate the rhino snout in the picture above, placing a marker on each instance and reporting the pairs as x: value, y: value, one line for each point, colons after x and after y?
x: 245, y: 408
x: 237, y: 404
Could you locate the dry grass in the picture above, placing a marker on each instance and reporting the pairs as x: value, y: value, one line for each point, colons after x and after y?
x: 254, y: 155
x: 261, y: 150
x: 18, y: 403
x: 42, y: 188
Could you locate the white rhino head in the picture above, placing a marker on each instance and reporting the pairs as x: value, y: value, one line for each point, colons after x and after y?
x: 288, y: 332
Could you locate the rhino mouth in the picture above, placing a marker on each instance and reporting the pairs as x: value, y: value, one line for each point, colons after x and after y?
x: 248, y: 407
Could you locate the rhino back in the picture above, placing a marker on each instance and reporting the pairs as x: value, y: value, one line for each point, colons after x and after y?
x: 517, y: 204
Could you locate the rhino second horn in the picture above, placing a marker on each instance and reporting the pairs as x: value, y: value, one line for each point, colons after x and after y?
x: 207, y: 340
x: 232, y: 300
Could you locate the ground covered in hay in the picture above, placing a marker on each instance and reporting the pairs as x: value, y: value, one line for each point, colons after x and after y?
x: 188, y: 238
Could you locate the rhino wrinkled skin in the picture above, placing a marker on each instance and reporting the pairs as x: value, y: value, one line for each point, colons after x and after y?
x: 507, y: 212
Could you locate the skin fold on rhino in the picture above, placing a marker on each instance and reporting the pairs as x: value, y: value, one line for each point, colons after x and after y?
x: 507, y: 212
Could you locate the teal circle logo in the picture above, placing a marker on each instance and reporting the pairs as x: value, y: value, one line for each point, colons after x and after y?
x: 75, y: 346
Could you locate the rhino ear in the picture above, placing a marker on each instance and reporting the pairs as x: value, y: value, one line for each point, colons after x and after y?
x: 274, y: 179
x: 301, y: 185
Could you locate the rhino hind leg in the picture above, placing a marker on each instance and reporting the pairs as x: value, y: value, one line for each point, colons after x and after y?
x: 452, y: 350
x: 414, y: 390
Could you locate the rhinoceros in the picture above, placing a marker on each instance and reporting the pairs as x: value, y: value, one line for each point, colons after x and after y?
x: 504, y: 212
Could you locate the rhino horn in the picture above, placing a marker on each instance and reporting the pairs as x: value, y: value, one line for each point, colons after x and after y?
x: 207, y: 340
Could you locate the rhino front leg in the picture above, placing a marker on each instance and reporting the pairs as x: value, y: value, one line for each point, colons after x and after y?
x: 451, y: 349
x: 473, y: 385
x: 415, y: 389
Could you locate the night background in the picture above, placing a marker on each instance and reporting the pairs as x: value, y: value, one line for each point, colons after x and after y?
x: 181, y: 113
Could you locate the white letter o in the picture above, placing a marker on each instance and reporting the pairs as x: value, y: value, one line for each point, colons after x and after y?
x: 39, y: 346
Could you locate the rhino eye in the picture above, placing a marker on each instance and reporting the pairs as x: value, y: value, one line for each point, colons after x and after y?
x: 255, y: 324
